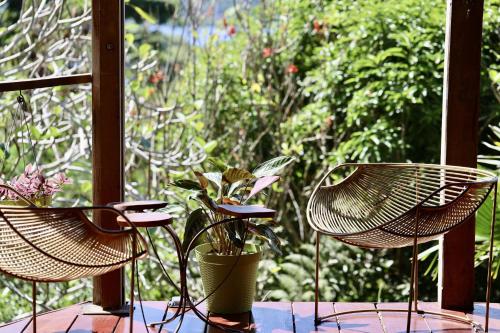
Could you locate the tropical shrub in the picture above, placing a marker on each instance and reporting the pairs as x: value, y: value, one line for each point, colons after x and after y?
x: 323, y: 81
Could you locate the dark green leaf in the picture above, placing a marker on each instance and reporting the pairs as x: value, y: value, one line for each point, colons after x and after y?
x: 196, y: 221
x: 236, y: 232
x: 187, y: 184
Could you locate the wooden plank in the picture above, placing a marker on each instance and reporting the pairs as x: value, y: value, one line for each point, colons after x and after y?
x: 239, y: 321
x: 438, y: 323
x: 190, y: 324
x: 272, y: 317
x: 94, y: 324
x: 358, y: 322
x: 107, y: 130
x: 16, y: 326
x: 153, y: 311
x: 56, y: 321
x: 268, y: 317
x: 478, y: 315
x: 395, y: 322
x: 303, y: 314
x: 460, y: 140
x: 44, y: 82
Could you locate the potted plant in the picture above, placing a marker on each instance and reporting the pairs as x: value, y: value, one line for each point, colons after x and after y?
x: 33, y: 185
x: 228, y: 254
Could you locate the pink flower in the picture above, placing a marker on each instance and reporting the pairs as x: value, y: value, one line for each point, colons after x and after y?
x: 61, y: 179
x: 29, y: 169
x: 33, y: 184
x: 292, y: 69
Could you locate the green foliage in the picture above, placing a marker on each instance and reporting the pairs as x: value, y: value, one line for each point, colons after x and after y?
x: 325, y: 81
x: 232, y: 186
x: 484, y: 218
x: 484, y: 214
x: 196, y: 221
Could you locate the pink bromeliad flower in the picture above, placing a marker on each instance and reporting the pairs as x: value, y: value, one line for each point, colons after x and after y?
x: 33, y: 184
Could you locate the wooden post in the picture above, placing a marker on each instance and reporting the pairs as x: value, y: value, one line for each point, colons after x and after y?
x: 464, y: 20
x: 107, y: 129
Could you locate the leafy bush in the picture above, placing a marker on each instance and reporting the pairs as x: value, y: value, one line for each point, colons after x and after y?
x: 325, y: 81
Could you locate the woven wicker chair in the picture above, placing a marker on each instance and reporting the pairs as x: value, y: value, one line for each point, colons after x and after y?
x: 397, y: 205
x: 62, y: 244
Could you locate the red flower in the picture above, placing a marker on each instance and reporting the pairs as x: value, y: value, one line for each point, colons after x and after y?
x: 157, y: 77
x: 267, y: 52
x: 231, y: 31
x: 317, y: 26
x: 292, y: 69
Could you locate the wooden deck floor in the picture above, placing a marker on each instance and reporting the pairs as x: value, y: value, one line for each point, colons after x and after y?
x: 266, y: 317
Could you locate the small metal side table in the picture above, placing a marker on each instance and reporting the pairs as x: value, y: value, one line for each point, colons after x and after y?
x: 140, y: 219
x: 391, y: 205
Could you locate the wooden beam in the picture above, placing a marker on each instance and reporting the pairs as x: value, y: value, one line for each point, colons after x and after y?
x: 460, y: 140
x: 45, y: 82
x: 107, y: 129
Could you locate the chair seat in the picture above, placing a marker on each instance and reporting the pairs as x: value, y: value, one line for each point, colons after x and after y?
x: 376, y: 206
x: 54, y: 244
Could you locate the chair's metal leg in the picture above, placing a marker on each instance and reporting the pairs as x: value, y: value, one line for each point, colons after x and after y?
x: 490, y: 259
x: 316, y: 289
x: 33, y: 304
x: 165, y: 314
x: 415, y: 284
x: 413, y: 272
x: 132, y: 283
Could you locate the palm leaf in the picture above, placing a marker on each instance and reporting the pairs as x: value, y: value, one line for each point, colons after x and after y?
x: 483, y: 221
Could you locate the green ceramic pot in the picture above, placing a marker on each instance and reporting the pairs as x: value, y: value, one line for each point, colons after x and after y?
x: 237, y: 293
x: 44, y: 201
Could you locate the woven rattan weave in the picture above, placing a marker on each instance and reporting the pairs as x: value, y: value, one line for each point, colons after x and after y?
x: 61, y: 244
x: 394, y: 205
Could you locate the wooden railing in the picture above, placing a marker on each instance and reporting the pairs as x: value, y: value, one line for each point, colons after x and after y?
x: 45, y: 82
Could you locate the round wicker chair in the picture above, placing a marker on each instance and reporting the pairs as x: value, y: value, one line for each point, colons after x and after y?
x: 61, y: 244
x: 394, y: 205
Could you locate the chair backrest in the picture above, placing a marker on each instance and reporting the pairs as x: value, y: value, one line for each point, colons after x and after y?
x: 378, y: 194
